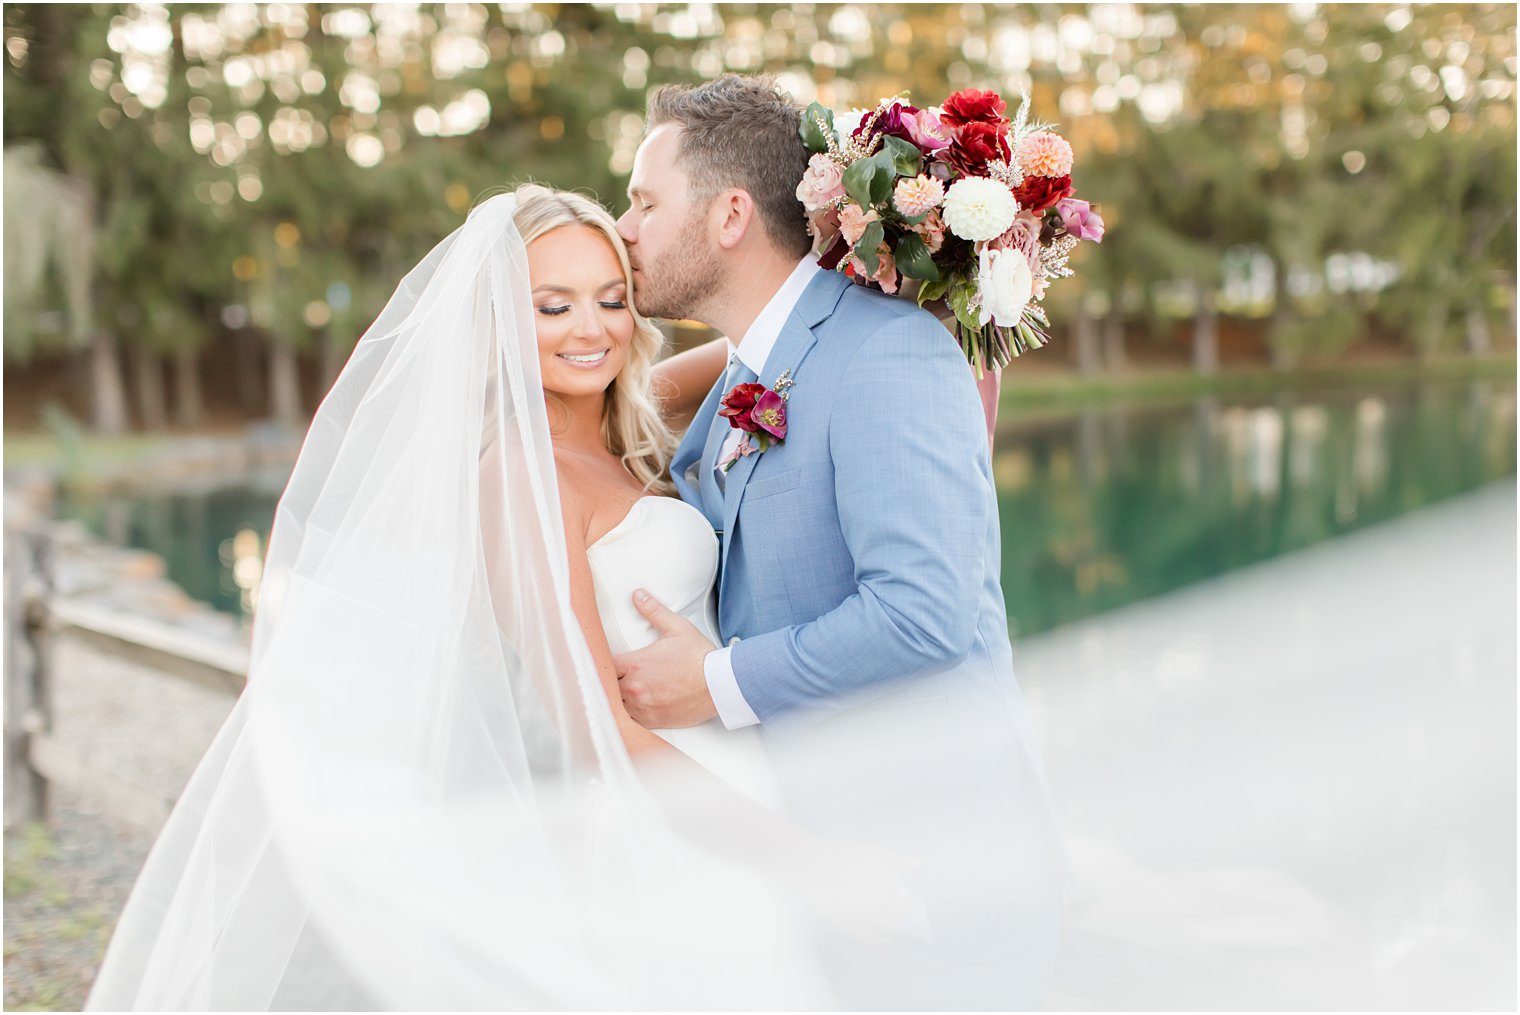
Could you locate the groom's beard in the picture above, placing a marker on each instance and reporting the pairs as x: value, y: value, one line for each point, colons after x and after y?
x: 679, y: 284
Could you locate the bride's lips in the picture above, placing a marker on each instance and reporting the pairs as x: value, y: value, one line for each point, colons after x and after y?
x: 582, y: 362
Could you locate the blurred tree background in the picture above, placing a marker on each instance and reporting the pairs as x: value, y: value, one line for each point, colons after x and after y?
x: 206, y: 204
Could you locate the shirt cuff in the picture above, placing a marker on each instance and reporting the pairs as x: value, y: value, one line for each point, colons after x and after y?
x: 735, y: 712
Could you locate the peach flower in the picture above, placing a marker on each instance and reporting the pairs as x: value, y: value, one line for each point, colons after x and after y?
x: 1045, y: 154
x: 853, y: 222
x: 885, y: 272
x: 918, y: 195
x: 932, y: 231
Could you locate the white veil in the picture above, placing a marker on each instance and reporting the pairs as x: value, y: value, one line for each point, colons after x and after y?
x: 421, y: 801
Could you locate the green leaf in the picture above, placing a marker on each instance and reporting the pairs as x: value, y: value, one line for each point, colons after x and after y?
x: 913, y: 259
x: 906, y: 158
x: 884, y: 177
x: 870, y: 240
x: 933, y: 290
x: 812, y: 135
x: 959, y: 298
x: 858, y: 181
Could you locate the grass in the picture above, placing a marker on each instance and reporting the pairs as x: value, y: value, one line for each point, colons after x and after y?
x: 1072, y: 390
x: 84, y: 452
x: 25, y: 852
x: 53, y: 935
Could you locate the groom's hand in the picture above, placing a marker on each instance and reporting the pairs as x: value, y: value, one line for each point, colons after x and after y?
x: 664, y: 685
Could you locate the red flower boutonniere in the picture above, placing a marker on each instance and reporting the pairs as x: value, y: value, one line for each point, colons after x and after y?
x: 760, y: 412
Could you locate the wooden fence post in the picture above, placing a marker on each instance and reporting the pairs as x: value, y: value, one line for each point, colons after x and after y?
x: 28, y: 675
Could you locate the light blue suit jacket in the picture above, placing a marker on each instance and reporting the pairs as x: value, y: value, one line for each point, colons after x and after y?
x: 863, y: 551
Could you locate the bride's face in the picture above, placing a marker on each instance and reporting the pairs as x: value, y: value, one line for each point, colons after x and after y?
x: 580, y: 304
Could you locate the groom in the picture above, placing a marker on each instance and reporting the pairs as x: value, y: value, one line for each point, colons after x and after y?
x: 859, y: 563
x: 861, y: 553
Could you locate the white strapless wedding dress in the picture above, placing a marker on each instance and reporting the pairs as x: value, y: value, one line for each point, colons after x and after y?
x: 667, y: 547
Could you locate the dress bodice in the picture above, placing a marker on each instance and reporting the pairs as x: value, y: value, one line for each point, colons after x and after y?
x: 668, y: 548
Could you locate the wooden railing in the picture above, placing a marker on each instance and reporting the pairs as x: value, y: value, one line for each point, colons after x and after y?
x: 37, y: 620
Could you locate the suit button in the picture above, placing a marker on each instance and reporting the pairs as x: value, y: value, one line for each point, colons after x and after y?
x: 732, y: 642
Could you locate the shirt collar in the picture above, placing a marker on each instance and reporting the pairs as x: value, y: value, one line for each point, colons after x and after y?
x: 755, y: 347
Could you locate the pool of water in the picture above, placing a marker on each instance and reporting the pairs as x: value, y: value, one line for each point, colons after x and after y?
x: 1100, y: 507
x: 1107, y: 507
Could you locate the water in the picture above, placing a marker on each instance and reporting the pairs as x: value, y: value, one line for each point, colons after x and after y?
x: 1100, y: 507
x: 1107, y: 507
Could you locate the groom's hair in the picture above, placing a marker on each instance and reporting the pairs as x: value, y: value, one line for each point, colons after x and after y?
x: 739, y: 131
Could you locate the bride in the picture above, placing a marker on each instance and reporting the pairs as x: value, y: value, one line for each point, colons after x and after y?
x: 430, y: 796
x: 624, y: 527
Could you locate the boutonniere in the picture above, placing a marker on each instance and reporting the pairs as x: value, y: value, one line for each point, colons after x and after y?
x: 760, y: 412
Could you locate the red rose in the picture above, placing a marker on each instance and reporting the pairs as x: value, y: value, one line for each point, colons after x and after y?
x: 975, y: 145
x: 737, y: 404
x: 972, y: 105
x: 1038, y: 193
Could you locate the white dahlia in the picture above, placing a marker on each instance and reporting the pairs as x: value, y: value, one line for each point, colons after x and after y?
x: 977, y: 208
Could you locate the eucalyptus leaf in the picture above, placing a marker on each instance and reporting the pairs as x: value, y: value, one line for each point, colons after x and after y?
x: 906, y: 157
x: 813, y: 136
x: 959, y: 298
x: 870, y: 241
x: 859, y: 181
x: 884, y: 177
x: 933, y: 290
x: 913, y: 258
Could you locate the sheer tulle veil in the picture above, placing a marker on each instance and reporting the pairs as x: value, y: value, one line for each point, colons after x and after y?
x: 421, y: 801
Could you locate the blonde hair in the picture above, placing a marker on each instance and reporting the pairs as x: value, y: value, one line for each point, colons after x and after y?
x: 632, y: 427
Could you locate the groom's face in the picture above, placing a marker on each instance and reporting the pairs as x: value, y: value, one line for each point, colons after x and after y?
x: 675, y: 267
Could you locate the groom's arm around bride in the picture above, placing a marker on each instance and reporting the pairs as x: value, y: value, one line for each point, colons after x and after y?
x: 896, y: 499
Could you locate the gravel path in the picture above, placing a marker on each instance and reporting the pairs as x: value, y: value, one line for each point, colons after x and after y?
x: 64, y: 888
x: 65, y: 884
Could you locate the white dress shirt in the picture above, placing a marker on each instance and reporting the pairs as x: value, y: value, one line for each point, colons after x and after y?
x: 753, y: 350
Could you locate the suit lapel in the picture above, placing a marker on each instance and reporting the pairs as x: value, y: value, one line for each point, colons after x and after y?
x: 797, y: 337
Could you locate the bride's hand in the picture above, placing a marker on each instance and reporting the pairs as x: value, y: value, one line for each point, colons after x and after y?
x: 664, y: 685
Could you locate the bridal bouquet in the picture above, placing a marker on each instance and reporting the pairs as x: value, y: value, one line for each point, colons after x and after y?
x: 976, y: 208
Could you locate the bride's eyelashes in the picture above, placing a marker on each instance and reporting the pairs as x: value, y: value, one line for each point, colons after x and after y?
x: 607, y: 304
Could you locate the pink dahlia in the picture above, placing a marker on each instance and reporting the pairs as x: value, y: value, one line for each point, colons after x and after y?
x: 1045, y: 154
x: 918, y: 195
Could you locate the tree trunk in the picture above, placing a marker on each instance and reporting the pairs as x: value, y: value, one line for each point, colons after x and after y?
x: 187, y: 387
x: 250, y: 371
x: 1114, y: 356
x: 1478, y: 342
x: 1084, y: 331
x: 1283, y: 357
x: 148, y: 373
x: 108, y: 394
x: 1206, y: 334
x: 1432, y: 329
x: 284, y: 385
